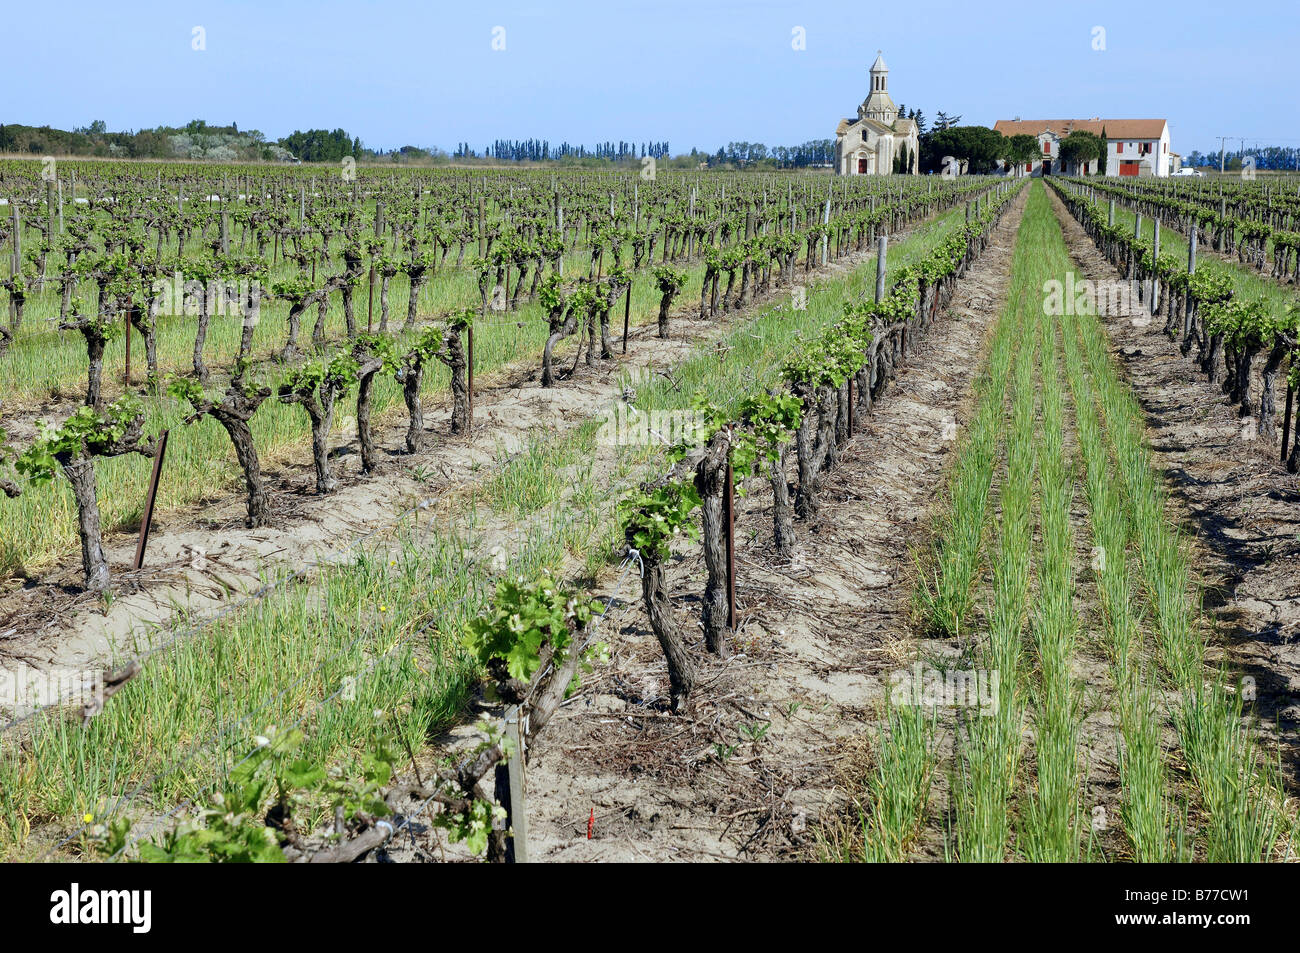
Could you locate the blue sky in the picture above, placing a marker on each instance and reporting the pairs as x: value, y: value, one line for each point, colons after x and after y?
x: 698, y: 73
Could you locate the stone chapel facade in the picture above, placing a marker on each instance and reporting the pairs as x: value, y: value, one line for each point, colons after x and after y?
x: 869, y: 144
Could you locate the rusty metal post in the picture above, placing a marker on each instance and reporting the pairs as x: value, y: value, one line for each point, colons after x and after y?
x: 150, y: 498
x: 627, y: 313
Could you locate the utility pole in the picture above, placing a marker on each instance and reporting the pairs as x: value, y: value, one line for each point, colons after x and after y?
x: 1222, y: 141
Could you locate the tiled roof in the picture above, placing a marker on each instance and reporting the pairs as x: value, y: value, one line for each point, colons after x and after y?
x: 1114, y: 128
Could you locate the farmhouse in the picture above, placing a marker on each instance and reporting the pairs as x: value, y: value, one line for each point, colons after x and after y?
x: 879, y: 141
x: 1138, y: 147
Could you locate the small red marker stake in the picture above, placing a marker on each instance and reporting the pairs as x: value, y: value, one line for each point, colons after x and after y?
x: 591, y: 824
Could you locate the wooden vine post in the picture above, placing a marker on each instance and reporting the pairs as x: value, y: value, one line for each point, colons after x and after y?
x: 731, y: 546
x: 1286, y: 418
x: 1155, y: 262
x: 482, y: 226
x: 510, y: 791
x: 826, y: 237
x: 15, y: 259
x: 882, y: 248
x: 850, y: 406
x: 1189, y: 304
x: 469, y: 371
x: 51, y: 211
x: 379, y: 233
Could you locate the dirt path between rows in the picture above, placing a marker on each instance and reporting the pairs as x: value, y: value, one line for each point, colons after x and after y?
x: 1235, y: 500
x: 202, y: 559
x: 758, y: 764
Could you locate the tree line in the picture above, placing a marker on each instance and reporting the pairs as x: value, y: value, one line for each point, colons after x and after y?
x: 540, y: 150
x: 1266, y: 157
x: 978, y: 147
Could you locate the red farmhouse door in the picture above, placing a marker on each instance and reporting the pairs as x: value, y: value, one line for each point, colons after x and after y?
x: 862, y: 167
x: 1128, y: 168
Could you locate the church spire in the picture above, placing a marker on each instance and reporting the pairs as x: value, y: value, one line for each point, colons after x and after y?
x: 878, y: 105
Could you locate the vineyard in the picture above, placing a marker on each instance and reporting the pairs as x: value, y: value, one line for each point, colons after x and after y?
x: 575, y: 515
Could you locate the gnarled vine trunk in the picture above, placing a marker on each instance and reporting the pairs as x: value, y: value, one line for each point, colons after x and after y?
x: 711, y: 483
x: 559, y: 329
x: 366, y: 372
x: 418, y: 279
x: 411, y: 377
x: 682, y: 670
x: 1267, y: 425
x: 234, y: 413
x: 453, y: 355
x: 782, y: 512
x: 201, y: 372
x: 80, y: 471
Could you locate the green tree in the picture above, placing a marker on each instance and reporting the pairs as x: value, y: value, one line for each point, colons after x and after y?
x: 1020, y: 149
x: 1081, y: 147
x: 979, y: 146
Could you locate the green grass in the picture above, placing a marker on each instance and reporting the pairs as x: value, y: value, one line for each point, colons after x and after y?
x: 1217, y: 797
x: 370, y: 648
x: 1051, y: 824
x: 897, y: 789
x: 989, y: 745
x: 1146, y: 802
x: 539, y: 476
x: 944, y: 595
x: 1239, y: 790
x: 898, y: 786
